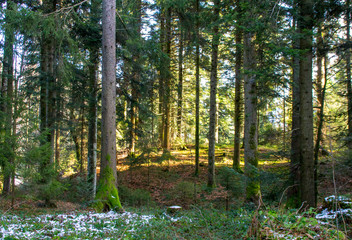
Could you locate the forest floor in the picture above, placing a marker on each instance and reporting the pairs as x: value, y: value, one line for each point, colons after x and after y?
x: 151, y: 181
x: 172, y: 181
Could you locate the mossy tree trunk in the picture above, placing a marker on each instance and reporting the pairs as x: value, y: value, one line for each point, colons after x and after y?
x: 107, y: 194
x: 250, y: 122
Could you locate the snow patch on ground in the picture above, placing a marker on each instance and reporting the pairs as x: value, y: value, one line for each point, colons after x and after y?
x: 91, y: 224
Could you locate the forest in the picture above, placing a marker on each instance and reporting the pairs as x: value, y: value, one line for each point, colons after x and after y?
x: 175, y: 119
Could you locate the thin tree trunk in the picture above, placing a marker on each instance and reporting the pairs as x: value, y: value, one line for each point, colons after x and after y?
x: 238, y: 91
x: 217, y: 123
x: 180, y: 84
x: 92, y: 122
x: 14, y: 135
x: 162, y: 79
x: 196, y: 172
x: 82, y: 141
x: 213, y: 90
x: 293, y: 191
x: 135, y: 80
x: 320, y: 115
x: 167, y: 87
x: 307, y: 189
x: 348, y: 74
x: 284, y: 124
x: 92, y: 107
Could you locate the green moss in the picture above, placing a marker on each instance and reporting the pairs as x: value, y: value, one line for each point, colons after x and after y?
x: 253, y: 187
x: 107, y: 197
x: 253, y: 190
x: 252, y: 142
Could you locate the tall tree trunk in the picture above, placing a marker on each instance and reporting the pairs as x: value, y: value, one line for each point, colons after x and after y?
x: 307, y: 189
x: 320, y: 114
x: 196, y: 172
x: 92, y: 121
x: 47, y: 88
x: 348, y: 74
x: 7, y: 97
x: 108, y: 128
x: 167, y: 87
x: 162, y: 78
x: 180, y: 84
x: 250, y: 120
x: 213, y: 88
x: 238, y: 91
x: 92, y: 106
x: 135, y: 80
x: 293, y: 191
x: 14, y: 132
x: 107, y: 193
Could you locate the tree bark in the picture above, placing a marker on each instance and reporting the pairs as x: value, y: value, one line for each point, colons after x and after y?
x: 135, y: 80
x: 320, y: 122
x: 213, y: 90
x: 7, y: 98
x: 196, y: 171
x: 180, y: 84
x: 108, y: 128
x: 250, y: 122
x: 238, y: 91
x: 167, y: 87
x: 92, y: 106
x: 307, y: 189
x: 47, y: 87
x: 162, y: 79
x: 348, y: 74
x: 293, y: 191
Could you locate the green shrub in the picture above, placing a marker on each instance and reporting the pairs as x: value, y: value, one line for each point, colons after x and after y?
x: 184, y: 191
x: 41, y: 175
x: 232, y: 180
x: 134, y: 197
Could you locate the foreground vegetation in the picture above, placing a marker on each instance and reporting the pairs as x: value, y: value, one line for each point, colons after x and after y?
x: 195, y: 223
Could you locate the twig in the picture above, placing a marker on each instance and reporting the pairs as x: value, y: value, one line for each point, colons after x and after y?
x: 14, y: 206
x: 300, y: 207
x: 283, y: 193
x: 65, y: 8
x: 123, y: 233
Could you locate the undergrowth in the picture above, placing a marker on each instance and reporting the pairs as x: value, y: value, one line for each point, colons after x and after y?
x: 195, y: 223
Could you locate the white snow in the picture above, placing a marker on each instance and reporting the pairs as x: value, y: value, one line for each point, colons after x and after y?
x: 91, y: 223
